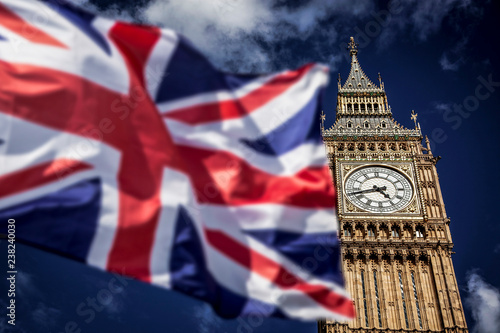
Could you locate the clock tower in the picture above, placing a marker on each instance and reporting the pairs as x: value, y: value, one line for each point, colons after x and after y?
x: 394, y: 231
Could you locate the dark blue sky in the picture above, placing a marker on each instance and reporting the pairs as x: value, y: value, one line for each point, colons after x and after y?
x: 430, y: 58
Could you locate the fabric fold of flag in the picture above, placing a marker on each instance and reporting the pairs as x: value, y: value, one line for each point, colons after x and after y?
x: 122, y: 146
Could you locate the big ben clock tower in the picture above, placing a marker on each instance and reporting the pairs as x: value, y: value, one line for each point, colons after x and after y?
x: 394, y: 231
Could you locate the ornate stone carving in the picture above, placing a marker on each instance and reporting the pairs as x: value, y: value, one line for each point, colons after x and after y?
x: 411, y: 208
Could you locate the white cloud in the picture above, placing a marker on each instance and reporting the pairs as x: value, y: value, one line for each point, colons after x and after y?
x: 45, y: 316
x: 456, y: 53
x: 115, y: 306
x: 25, y: 286
x: 447, y: 65
x: 240, y: 34
x: 422, y: 18
x: 114, y: 11
x: 427, y: 16
x: 207, y: 320
x: 484, y: 301
x: 251, y: 35
x: 442, y: 107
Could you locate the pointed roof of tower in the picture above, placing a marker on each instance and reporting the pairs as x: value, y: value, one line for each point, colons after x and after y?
x: 357, y: 79
x: 362, y: 108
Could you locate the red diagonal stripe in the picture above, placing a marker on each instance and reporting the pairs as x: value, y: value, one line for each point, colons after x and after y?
x: 17, y: 24
x: 38, y: 175
x: 224, y: 110
x: 223, y: 178
x: 279, y: 275
x: 62, y: 101
x: 135, y: 44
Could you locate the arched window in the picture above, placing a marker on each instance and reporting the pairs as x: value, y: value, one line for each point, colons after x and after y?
x: 364, y: 297
x: 384, y: 231
x: 415, y: 295
x: 403, y: 298
x: 407, y: 231
x: 378, y: 299
x: 359, y: 232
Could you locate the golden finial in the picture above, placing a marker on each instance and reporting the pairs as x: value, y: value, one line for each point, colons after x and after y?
x: 323, y: 117
x: 414, y: 117
x: 352, y: 47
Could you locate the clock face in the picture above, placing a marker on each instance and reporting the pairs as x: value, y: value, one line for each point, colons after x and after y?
x: 378, y: 189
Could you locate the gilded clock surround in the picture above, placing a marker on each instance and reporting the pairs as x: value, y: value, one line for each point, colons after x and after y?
x: 348, y: 169
x: 397, y: 266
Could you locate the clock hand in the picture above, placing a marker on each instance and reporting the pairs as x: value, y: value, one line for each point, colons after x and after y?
x: 364, y: 191
x: 381, y: 191
x: 374, y: 189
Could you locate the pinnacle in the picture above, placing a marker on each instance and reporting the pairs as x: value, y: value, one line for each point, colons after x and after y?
x: 357, y: 79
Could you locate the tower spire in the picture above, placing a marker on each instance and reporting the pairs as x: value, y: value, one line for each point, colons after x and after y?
x: 357, y: 79
x: 352, y: 47
x: 362, y: 106
x: 359, y: 96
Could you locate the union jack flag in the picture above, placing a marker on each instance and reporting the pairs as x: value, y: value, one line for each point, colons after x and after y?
x: 122, y: 147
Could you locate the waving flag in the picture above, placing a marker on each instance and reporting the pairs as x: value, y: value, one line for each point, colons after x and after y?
x: 122, y: 147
